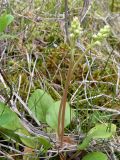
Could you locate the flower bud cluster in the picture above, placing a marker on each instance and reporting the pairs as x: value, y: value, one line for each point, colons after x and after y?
x: 102, y: 34
x: 75, y: 29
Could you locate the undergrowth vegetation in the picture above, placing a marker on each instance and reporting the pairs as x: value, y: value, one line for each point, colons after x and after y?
x: 59, y: 80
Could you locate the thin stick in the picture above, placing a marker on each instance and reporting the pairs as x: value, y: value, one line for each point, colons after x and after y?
x: 8, y: 84
x: 66, y: 21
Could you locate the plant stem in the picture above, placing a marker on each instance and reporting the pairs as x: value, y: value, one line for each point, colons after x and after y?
x: 81, y: 57
x: 61, y: 115
x: 112, y: 5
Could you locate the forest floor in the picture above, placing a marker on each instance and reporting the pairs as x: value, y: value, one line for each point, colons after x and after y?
x: 35, y: 54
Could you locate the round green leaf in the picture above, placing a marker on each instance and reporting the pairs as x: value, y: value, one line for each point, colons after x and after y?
x: 8, y: 118
x: 10, y: 121
x: 35, y: 142
x: 5, y: 20
x: 11, y: 125
x: 95, y: 156
x: 99, y: 131
x: 52, y: 115
x: 105, y: 130
x: 39, y: 103
x: 9, y: 134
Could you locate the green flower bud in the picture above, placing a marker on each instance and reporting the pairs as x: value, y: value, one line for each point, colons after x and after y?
x: 99, y: 35
x: 72, y: 35
x: 77, y: 31
x: 107, y: 27
x: 97, y: 43
x: 105, y: 35
x: 102, y: 31
x: 74, y: 26
x: 94, y: 36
